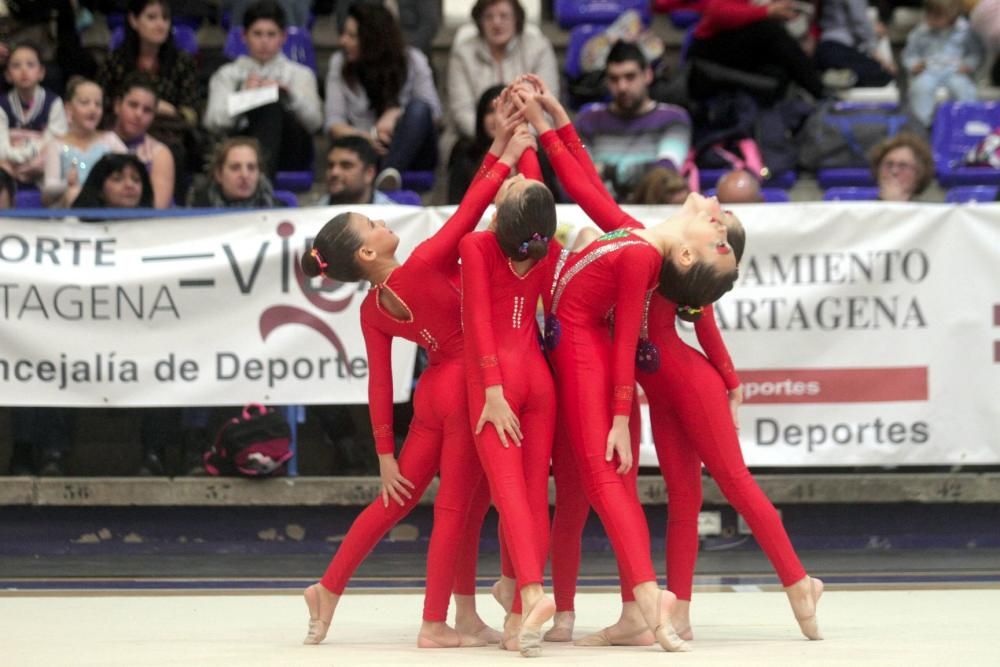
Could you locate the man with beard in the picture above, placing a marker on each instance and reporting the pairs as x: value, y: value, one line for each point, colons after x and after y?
x: 350, y: 173
x: 633, y: 132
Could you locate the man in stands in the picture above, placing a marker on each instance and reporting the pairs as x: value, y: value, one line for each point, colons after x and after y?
x: 351, y: 163
x: 739, y: 187
x: 633, y: 132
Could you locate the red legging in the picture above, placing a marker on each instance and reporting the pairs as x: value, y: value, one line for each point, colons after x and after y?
x: 439, y: 438
x: 519, y: 476
x: 572, y: 509
x: 691, y: 422
x: 582, y: 361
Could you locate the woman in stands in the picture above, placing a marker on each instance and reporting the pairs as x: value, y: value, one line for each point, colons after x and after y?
x: 417, y: 300
x: 135, y: 110
x: 235, y: 179
x: 149, y: 48
x: 382, y: 90
x: 903, y: 167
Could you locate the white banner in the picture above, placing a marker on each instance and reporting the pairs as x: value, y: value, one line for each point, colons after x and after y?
x: 864, y: 333
x: 186, y: 311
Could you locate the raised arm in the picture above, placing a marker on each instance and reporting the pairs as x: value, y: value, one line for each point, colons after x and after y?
x: 441, y: 250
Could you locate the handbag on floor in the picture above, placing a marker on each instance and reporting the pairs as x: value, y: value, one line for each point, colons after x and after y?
x: 254, y: 444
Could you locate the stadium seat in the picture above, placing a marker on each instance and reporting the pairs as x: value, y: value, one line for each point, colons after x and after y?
x: 298, y: 180
x: 298, y: 46
x: 287, y: 198
x: 959, y: 126
x: 578, y: 36
x: 570, y: 13
x: 851, y: 194
x: 405, y: 197
x: 861, y: 175
x: 971, y: 193
x: 117, y: 20
x: 421, y: 181
x: 27, y: 197
x: 184, y: 37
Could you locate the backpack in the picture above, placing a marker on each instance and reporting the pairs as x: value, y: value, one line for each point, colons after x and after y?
x: 836, y: 136
x: 986, y: 153
x: 254, y: 444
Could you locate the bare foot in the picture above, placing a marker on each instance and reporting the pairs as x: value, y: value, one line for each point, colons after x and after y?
x: 681, y: 619
x: 804, y: 597
x: 441, y: 635
x: 503, y: 592
x: 511, y: 628
x: 562, y: 627
x: 529, y: 637
x: 477, y: 627
x: 665, y: 634
x: 321, y: 603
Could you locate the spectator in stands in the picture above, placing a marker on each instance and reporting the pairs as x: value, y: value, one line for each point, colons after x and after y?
x: 149, y: 48
x: 985, y: 20
x: 744, y: 35
x: 30, y: 115
x: 350, y: 173
x: 848, y: 41
x: 632, y: 132
x: 382, y: 90
x: 235, y: 180
x: 903, y: 167
x: 42, y: 439
x: 134, y: 113
x: 941, y: 52
x: 660, y: 185
x: 116, y: 181
x: 296, y: 11
x: 282, y: 126
x: 68, y: 159
x: 739, y: 187
x: 497, y: 49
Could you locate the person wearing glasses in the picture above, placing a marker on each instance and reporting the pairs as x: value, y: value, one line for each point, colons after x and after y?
x: 903, y: 167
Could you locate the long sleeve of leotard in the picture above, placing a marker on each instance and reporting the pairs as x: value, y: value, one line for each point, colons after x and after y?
x: 605, y: 212
x: 378, y: 345
x: 574, y: 144
x: 710, y: 339
x: 477, y: 308
x: 633, y: 279
x: 488, y: 162
x: 529, y: 166
x: 441, y: 250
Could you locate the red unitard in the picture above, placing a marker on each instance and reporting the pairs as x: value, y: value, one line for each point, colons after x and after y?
x: 502, y: 348
x: 692, y: 423
x: 595, y: 370
x: 572, y: 506
x: 439, y: 437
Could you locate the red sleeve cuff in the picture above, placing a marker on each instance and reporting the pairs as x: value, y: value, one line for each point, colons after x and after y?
x: 385, y: 441
x: 490, y: 369
x: 621, y: 404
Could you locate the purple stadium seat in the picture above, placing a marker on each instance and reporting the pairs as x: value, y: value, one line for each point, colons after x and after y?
x: 770, y: 195
x: 971, y: 193
x: 184, y: 37
x: 298, y: 46
x: 959, y: 126
x: 405, y: 197
x: 684, y: 18
x: 569, y: 13
x: 845, y: 177
x: 851, y: 194
x: 421, y: 181
x: 27, y: 197
x: 578, y: 36
x: 287, y: 198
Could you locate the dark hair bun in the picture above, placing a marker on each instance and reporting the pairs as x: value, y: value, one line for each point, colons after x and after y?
x: 537, y: 248
x: 310, y: 265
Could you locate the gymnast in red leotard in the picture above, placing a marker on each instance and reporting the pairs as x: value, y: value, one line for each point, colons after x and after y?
x: 693, y: 399
x: 511, y: 393
x: 418, y: 300
x: 688, y: 256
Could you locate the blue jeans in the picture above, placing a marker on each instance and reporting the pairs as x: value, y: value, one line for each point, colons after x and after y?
x: 924, y: 86
x: 414, y: 141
